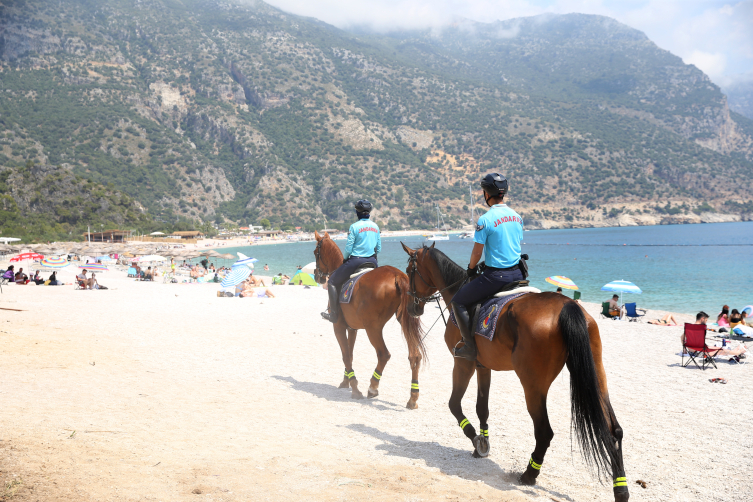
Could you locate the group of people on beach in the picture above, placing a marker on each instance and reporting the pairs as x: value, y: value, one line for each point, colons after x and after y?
x: 20, y: 278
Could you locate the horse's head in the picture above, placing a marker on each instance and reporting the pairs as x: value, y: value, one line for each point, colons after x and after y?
x: 323, y: 255
x: 420, y: 276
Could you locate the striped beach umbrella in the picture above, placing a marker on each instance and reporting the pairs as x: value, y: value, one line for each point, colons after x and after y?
x: 561, y: 281
x: 94, y: 266
x: 236, y: 276
x: 622, y: 287
x: 52, y: 262
x: 245, y: 260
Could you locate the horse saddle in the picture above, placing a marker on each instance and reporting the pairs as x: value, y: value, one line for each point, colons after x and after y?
x: 366, y: 267
x: 515, y: 288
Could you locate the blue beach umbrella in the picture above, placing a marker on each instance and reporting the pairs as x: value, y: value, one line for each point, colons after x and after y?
x: 622, y: 287
x: 245, y: 260
x: 237, y: 275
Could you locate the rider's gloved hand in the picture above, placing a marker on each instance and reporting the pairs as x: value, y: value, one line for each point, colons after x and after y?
x: 471, y: 271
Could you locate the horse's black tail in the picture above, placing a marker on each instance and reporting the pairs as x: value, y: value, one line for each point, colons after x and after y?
x: 412, y: 328
x: 588, y: 406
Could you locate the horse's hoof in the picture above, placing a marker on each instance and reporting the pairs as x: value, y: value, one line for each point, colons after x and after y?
x: 482, y: 447
x: 356, y: 395
x: 344, y: 385
x: 621, y: 497
x: 525, y: 479
x: 372, y: 394
x: 412, y: 405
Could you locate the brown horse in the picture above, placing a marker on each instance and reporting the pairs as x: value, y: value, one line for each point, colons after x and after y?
x: 378, y: 295
x: 536, y: 335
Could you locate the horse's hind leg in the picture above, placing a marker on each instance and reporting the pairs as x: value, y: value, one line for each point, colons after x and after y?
x: 352, y: 380
x: 383, y: 355
x: 414, y: 357
x: 461, y: 375
x: 619, y: 485
x: 542, y: 430
x: 481, y: 442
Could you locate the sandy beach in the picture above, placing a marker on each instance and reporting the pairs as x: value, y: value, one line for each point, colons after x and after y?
x: 151, y: 391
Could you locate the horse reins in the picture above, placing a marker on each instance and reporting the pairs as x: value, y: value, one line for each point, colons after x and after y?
x: 413, y: 264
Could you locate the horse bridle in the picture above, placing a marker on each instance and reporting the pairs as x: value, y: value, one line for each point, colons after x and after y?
x: 412, y: 271
x: 317, y: 273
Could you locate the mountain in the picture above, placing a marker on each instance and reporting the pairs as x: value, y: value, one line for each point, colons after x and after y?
x: 740, y: 96
x: 213, y: 111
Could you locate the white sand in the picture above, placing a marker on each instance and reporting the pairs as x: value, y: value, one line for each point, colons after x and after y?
x: 171, y: 390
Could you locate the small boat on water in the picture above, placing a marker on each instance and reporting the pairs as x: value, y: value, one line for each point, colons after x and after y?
x: 438, y: 237
x: 465, y: 235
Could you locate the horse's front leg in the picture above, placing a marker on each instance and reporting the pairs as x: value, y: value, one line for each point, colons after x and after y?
x: 481, y: 442
x: 461, y: 375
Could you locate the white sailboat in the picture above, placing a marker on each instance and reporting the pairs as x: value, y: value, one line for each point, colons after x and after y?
x: 439, y: 235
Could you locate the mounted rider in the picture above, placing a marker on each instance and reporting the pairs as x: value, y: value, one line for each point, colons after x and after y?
x: 498, y: 236
x: 364, y: 243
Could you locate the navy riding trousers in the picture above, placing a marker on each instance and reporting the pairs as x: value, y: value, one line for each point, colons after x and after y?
x: 485, y: 285
x: 348, y: 267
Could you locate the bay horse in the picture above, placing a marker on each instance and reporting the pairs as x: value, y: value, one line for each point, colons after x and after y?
x: 378, y: 295
x: 536, y: 335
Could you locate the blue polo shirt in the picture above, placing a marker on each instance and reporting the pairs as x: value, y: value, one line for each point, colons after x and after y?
x: 500, y: 230
x: 364, y: 239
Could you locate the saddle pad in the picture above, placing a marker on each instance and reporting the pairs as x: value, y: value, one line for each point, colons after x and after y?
x: 488, y: 315
x: 346, y: 290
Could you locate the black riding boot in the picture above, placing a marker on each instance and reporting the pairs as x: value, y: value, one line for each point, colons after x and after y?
x: 334, y: 305
x: 463, y: 318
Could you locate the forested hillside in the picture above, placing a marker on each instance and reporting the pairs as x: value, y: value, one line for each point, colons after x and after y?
x: 213, y: 111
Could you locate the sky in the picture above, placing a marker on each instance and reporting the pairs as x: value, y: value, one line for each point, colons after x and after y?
x: 716, y: 36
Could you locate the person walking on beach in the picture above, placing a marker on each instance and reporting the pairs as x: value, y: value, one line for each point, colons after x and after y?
x: 363, y: 246
x: 498, y: 236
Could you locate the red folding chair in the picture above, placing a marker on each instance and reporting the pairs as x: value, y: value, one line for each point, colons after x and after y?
x: 695, y: 346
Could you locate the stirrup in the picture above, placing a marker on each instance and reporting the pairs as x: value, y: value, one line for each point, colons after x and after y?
x: 458, y: 352
x: 325, y: 315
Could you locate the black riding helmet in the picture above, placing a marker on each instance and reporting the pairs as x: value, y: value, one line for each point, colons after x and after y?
x: 495, y: 185
x: 363, y: 206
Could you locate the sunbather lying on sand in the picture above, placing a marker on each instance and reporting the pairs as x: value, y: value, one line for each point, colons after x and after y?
x: 258, y: 293
x: 665, y: 321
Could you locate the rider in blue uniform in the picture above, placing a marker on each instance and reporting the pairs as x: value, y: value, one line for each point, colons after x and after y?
x: 499, y: 233
x: 364, y: 243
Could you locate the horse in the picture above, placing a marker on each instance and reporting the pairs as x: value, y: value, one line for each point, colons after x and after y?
x: 378, y: 295
x: 536, y: 335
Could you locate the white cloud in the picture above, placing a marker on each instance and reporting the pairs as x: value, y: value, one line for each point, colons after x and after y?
x: 712, y: 64
x: 717, y: 37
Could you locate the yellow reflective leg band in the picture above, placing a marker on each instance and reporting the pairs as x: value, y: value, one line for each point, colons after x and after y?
x: 414, y: 386
x: 485, y: 432
x: 620, y: 482
x: 463, y: 423
x: 352, y: 374
x: 377, y: 376
x: 534, y: 464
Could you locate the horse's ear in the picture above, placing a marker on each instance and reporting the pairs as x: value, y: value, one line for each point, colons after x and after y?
x: 316, y: 234
x: 407, y: 249
x: 433, y: 243
x: 326, y: 234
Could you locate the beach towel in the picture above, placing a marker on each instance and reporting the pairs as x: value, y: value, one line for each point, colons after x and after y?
x: 346, y: 290
x: 745, y: 331
x: 488, y: 315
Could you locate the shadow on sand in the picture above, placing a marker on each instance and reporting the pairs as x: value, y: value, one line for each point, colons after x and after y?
x: 332, y: 393
x: 453, y: 461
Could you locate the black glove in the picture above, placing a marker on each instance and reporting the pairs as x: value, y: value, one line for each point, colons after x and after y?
x: 471, y: 272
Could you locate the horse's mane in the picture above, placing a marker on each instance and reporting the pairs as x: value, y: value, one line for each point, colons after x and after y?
x: 450, y: 271
x: 332, y: 248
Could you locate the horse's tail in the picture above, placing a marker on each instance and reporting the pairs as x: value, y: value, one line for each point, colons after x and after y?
x: 413, y: 331
x: 588, y: 406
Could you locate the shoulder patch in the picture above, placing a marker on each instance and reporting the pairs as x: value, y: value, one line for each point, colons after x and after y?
x: 479, y: 227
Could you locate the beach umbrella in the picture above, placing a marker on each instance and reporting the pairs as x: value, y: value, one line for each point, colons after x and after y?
x: 310, y: 268
x: 104, y: 257
x: 98, y: 267
x: 157, y: 233
x: 236, y: 276
x: 304, y: 279
x: 27, y: 257
x: 622, y: 287
x: 561, y: 281
x: 245, y: 260
x: 51, y: 262
x: 150, y: 258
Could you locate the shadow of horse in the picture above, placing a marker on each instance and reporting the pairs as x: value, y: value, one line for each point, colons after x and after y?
x: 335, y: 394
x: 452, y: 461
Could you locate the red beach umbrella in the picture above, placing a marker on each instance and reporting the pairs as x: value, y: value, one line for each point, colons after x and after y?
x: 27, y: 257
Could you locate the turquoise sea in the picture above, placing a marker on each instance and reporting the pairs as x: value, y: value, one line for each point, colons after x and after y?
x: 680, y: 268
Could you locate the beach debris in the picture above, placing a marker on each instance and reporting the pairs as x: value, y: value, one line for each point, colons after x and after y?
x: 196, y: 491
x: 93, y: 363
x: 641, y: 482
x: 73, y: 434
x: 718, y: 380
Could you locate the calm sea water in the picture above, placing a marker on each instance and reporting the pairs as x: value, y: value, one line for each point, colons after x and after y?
x: 680, y: 268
